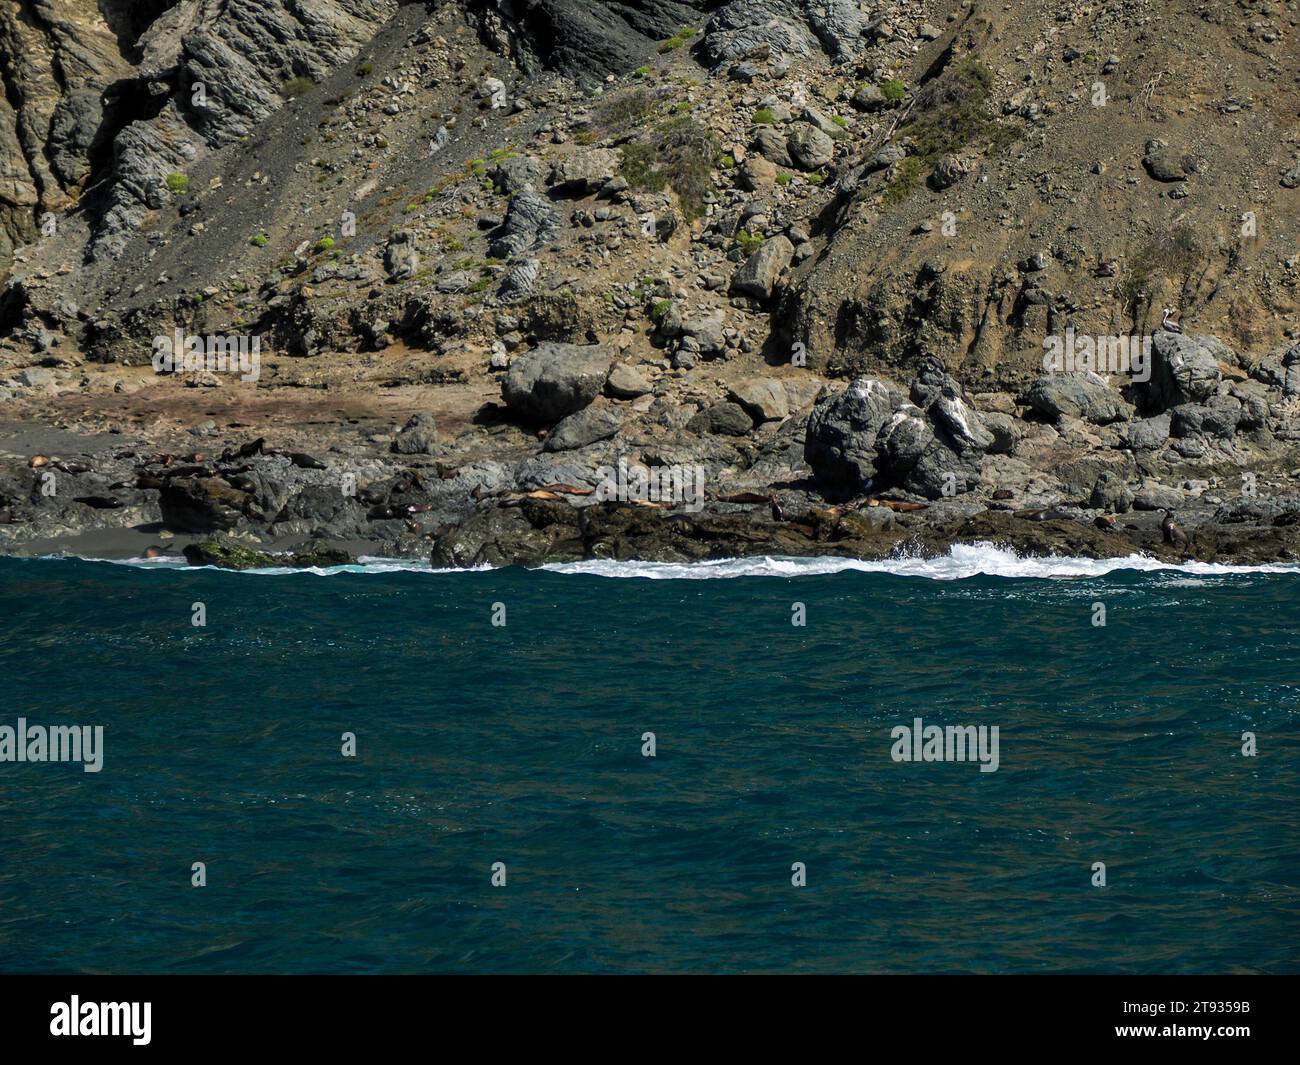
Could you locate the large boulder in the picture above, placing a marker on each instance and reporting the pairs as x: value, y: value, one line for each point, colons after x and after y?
x: 597, y: 422
x: 586, y: 170
x: 809, y: 147
x: 1076, y: 395
x: 1184, y: 369
x: 765, y: 398
x: 841, y: 441
x: 530, y: 223
x: 201, y: 504
x: 417, y: 436
x: 554, y: 380
x: 758, y: 274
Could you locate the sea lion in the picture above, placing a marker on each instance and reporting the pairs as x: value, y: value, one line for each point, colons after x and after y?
x: 99, y: 502
x: 778, y: 512
x: 1173, y: 533
x: 154, y: 551
x: 1104, y: 521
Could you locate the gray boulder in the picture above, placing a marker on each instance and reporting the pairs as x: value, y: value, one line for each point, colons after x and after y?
x: 1111, y: 494
x: 401, y: 256
x: 1148, y: 434
x: 1184, y: 369
x: 764, y: 398
x: 586, y: 170
x: 809, y: 147
x: 722, y: 419
x: 1076, y: 395
x: 841, y: 439
x: 599, y: 421
x: 554, y: 380
x: 417, y: 437
x: 530, y: 223
x: 758, y: 274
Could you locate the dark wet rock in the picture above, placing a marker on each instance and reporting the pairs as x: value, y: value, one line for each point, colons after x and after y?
x: 201, y: 504
x: 840, y: 444
x: 227, y: 554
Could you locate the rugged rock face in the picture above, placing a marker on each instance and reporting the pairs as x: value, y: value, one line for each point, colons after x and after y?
x: 121, y: 96
x: 816, y: 249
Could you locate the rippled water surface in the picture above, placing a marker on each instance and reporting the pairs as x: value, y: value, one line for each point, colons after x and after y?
x: 522, y: 744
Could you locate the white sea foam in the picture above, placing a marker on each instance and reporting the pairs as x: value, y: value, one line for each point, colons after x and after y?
x: 962, y: 561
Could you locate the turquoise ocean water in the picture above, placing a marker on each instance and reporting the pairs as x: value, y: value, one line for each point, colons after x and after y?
x: 522, y: 744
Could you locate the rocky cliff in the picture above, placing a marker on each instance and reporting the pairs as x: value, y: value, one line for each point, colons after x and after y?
x: 820, y: 248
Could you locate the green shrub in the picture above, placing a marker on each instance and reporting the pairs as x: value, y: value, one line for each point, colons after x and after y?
x: 324, y: 244
x: 365, y: 69
x: 906, y: 179
x: 259, y: 241
x: 660, y: 310
x: 749, y: 242
x: 784, y: 178
x: 1171, y: 253
x: 297, y: 87
x: 679, y: 153
x: 764, y: 116
x: 178, y: 183
x: 893, y: 89
x: 951, y: 114
x: 625, y: 111
x: 678, y: 39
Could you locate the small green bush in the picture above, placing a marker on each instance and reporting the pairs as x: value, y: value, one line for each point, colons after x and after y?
x: 749, y: 242
x: 893, y: 90
x: 297, y: 87
x: 764, y: 116
x: 178, y: 183
x: 365, y: 69
x: 259, y: 241
x: 324, y: 244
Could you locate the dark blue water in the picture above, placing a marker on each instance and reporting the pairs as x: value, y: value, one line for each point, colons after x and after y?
x: 522, y: 744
